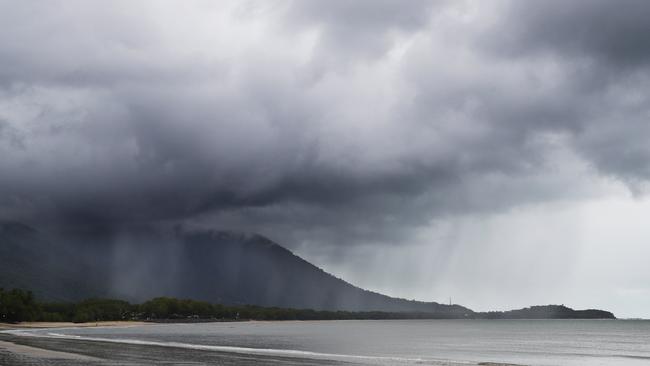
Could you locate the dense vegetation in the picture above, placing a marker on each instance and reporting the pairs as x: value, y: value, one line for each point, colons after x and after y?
x: 548, y: 312
x: 19, y: 305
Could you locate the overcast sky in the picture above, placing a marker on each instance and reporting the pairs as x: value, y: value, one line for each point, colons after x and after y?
x: 494, y: 152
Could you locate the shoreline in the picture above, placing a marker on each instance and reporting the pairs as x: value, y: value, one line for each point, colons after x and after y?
x: 41, y: 353
x: 47, y: 325
x: 20, y: 348
x: 16, y: 350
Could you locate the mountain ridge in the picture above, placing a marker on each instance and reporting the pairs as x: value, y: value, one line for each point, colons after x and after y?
x: 219, y: 266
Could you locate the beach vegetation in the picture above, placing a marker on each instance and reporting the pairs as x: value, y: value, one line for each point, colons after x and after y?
x: 20, y: 305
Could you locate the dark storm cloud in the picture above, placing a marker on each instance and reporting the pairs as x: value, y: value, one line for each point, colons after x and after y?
x: 344, y: 121
x: 613, y: 32
x: 603, y: 45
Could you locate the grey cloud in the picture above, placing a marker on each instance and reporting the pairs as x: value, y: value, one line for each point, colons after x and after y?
x: 128, y: 123
x: 361, y: 26
x: 603, y: 31
x: 606, y: 57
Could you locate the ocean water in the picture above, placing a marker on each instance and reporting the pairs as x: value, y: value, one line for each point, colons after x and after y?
x: 392, y: 342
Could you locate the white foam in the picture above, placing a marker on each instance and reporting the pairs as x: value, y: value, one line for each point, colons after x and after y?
x: 240, y: 350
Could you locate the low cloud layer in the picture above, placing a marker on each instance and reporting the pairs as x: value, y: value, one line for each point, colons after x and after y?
x: 331, y: 123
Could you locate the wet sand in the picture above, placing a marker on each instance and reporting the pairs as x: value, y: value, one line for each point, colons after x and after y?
x: 27, y: 325
x: 41, y: 353
x: 37, y: 351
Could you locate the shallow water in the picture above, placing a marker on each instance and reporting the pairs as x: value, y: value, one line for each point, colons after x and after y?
x: 528, y: 342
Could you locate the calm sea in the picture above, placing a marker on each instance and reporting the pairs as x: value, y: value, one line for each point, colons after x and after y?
x: 527, y: 342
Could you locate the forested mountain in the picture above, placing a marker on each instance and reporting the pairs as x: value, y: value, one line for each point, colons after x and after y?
x: 216, y: 266
x: 222, y: 267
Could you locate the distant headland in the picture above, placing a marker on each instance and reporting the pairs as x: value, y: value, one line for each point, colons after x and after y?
x: 228, y: 275
x: 18, y: 305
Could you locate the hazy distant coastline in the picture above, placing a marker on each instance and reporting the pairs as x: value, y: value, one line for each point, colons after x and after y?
x: 250, y: 275
x: 18, y: 305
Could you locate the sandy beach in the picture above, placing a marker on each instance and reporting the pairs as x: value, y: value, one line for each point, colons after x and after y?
x: 40, y: 353
x: 13, y: 352
x: 18, y: 350
x: 27, y: 325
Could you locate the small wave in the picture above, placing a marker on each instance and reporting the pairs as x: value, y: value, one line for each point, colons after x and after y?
x: 241, y: 350
x: 61, y: 335
x: 636, y: 357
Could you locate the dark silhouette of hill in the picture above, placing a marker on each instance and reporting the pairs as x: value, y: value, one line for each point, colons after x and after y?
x: 547, y: 312
x: 215, y: 266
x: 54, y: 272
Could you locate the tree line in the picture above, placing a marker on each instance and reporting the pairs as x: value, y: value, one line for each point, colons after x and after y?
x: 19, y: 305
